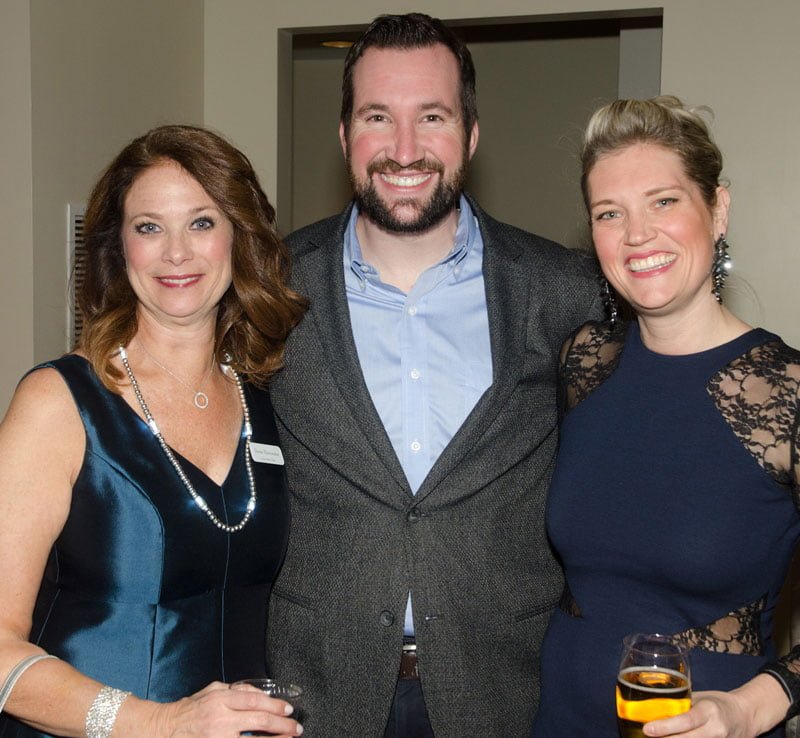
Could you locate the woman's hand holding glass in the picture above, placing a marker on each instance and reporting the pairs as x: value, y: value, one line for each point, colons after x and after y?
x: 653, y: 682
x: 216, y: 712
x: 746, y: 712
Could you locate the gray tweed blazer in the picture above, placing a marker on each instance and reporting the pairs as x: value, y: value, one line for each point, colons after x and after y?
x: 471, y: 544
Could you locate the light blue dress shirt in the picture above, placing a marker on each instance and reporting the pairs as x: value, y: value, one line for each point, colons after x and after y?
x: 425, y: 355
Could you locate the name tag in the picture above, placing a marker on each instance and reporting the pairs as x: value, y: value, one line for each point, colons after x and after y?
x: 264, y: 453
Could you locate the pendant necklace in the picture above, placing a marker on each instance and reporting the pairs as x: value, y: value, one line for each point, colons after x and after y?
x: 200, y: 398
x: 198, y: 499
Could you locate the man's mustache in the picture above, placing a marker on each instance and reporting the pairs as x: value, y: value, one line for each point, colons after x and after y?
x: 388, y: 166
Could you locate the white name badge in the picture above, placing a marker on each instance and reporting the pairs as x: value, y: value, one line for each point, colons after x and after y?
x: 264, y: 453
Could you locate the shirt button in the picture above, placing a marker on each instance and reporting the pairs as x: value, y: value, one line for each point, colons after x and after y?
x: 414, y: 374
x: 386, y: 618
x: 415, y: 446
x: 412, y: 310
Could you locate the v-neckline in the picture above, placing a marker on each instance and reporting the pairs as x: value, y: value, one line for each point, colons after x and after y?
x: 181, y: 457
x: 178, y: 454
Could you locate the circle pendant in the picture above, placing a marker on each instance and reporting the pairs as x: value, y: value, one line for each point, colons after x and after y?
x: 200, y: 400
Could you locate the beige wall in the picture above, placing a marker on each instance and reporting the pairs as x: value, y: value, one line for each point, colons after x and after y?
x: 535, y: 94
x: 78, y: 79
x: 738, y: 56
x: 534, y: 98
x: 319, y: 185
x: 103, y: 71
x: 16, y: 254
x: 742, y: 57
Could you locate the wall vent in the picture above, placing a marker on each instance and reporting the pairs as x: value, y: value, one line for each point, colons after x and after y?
x: 76, y: 255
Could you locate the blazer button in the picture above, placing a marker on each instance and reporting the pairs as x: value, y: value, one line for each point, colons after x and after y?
x: 386, y: 618
x: 413, y: 515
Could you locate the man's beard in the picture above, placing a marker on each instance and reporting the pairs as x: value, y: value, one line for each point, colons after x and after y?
x: 428, y: 214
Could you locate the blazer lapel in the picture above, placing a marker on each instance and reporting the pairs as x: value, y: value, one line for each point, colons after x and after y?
x: 361, y: 441
x: 318, y: 272
x: 507, y: 295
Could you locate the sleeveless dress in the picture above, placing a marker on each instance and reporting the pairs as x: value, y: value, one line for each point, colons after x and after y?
x: 672, y: 512
x: 141, y: 590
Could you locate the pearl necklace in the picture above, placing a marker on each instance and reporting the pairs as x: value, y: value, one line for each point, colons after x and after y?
x: 198, y: 499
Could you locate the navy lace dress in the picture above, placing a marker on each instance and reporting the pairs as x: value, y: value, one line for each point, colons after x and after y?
x: 142, y: 592
x: 673, y: 509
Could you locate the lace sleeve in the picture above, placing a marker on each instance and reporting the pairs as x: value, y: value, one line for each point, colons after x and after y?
x: 796, y: 442
x: 564, y: 376
x: 588, y: 357
x: 759, y: 396
x: 787, y: 669
x: 793, y: 382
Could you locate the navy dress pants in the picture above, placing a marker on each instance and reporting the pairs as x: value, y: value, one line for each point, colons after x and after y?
x: 409, y: 716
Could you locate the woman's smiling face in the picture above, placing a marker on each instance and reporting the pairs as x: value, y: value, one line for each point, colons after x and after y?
x: 653, y: 230
x: 177, y: 245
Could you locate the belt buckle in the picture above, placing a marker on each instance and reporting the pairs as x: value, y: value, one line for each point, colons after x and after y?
x: 408, y: 662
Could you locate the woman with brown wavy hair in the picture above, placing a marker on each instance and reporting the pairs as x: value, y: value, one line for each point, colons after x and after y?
x: 144, y: 503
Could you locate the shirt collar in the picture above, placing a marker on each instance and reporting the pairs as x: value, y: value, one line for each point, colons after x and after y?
x: 466, y: 232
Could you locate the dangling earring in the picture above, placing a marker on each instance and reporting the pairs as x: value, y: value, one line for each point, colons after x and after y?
x: 720, y: 267
x: 609, y: 301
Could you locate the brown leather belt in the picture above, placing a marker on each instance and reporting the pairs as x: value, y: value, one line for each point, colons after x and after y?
x: 408, y: 662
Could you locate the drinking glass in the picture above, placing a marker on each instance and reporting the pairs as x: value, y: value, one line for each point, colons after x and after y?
x: 285, y: 691
x: 654, y: 682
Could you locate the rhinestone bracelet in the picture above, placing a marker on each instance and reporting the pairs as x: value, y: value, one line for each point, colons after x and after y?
x: 103, y: 713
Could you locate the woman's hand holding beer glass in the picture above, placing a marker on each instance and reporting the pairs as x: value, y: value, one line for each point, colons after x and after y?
x: 653, y: 682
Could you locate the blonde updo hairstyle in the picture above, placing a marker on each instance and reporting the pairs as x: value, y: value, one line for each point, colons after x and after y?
x: 662, y: 121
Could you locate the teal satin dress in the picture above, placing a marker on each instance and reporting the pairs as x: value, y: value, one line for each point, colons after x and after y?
x: 141, y: 590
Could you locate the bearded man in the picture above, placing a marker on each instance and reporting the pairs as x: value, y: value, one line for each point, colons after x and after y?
x: 417, y: 413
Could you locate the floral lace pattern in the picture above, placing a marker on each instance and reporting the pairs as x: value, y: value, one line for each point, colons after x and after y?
x: 588, y: 358
x: 737, y: 632
x: 758, y: 395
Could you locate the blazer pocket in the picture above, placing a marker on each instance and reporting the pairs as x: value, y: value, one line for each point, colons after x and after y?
x: 294, y: 598
x: 535, y: 611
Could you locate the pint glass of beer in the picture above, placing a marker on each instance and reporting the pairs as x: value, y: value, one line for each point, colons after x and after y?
x: 654, y: 682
